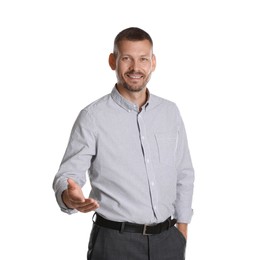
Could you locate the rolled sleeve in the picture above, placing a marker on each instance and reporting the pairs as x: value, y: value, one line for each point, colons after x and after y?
x: 184, y: 215
x: 58, y: 195
x: 185, y: 179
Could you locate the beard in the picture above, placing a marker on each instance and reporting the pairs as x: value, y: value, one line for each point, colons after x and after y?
x: 136, y: 88
x: 132, y: 88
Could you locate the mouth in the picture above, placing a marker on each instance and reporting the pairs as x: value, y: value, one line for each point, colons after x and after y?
x: 134, y: 76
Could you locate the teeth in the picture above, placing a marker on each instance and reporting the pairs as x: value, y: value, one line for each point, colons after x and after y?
x: 134, y: 77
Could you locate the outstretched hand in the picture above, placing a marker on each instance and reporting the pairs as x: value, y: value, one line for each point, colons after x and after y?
x: 73, y: 198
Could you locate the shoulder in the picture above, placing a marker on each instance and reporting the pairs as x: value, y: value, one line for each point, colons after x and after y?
x: 87, y: 114
x: 157, y: 101
x: 97, y: 105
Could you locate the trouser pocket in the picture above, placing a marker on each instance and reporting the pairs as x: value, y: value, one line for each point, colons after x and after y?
x: 92, y: 240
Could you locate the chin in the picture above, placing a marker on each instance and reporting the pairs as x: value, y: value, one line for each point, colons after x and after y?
x: 133, y: 88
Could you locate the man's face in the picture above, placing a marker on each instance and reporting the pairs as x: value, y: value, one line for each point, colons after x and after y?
x: 134, y: 63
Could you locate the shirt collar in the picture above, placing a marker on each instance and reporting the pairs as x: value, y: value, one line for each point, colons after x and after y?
x: 124, y: 103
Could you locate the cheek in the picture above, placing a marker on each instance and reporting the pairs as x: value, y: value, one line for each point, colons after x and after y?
x: 149, y: 69
x: 121, y: 67
x: 120, y: 74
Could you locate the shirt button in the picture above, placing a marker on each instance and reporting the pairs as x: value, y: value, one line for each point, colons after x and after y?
x: 142, y: 137
x: 147, y: 160
x: 152, y: 183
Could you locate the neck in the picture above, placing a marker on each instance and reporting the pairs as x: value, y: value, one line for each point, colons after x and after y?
x: 139, y: 98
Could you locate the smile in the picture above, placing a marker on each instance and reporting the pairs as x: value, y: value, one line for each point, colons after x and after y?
x: 135, y: 76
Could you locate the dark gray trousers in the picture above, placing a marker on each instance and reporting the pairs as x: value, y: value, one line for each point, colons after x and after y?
x: 109, y: 244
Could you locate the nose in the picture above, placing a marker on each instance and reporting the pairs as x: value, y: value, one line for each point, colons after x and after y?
x: 134, y: 65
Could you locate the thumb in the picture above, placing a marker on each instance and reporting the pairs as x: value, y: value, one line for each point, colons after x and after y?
x: 72, y: 185
x: 75, y: 191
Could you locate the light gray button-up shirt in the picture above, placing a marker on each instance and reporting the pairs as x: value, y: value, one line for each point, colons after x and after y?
x: 138, y: 162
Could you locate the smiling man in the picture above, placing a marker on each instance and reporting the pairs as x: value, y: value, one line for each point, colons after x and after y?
x: 134, y: 62
x: 134, y: 147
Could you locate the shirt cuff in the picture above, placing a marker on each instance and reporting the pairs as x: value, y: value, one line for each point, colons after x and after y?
x: 184, y: 215
x: 61, y: 204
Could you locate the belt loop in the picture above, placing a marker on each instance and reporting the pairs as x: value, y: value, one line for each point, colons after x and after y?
x: 94, y: 215
x: 122, y: 227
x: 169, y: 222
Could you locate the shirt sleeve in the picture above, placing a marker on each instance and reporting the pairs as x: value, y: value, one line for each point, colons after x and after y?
x: 77, y: 158
x: 185, y: 177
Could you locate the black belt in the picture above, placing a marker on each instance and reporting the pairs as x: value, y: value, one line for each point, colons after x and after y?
x: 135, y: 228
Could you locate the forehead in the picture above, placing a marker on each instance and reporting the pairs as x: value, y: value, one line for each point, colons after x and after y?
x: 142, y: 47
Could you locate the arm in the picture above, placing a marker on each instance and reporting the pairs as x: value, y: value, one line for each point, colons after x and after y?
x: 185, y: 180
x: 76, y: 162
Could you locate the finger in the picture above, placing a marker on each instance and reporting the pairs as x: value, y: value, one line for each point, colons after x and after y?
x: 84, y: 204
x: 89, y: 200
x: 88, y: 208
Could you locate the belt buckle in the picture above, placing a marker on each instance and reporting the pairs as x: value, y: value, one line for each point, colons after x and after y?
x: 144, y: 232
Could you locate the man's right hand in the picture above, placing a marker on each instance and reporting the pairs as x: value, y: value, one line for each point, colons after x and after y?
x: 73, y: 198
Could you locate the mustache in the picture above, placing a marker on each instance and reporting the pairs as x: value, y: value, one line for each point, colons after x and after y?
x: 134, y: 72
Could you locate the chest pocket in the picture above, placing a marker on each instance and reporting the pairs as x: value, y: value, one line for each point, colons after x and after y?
x: 166, y: 143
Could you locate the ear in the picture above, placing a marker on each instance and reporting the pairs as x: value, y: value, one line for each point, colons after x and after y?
x: 153, y: 62
x: 112, y: 61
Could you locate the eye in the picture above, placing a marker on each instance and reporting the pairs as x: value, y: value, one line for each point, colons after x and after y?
x: 125, y: 58
x: 144, y: 59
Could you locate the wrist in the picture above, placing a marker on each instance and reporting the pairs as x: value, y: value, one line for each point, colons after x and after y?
x: 65, y: 199
x: 183, y: 228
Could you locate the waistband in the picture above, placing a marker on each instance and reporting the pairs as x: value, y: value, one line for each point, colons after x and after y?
x: 135, y: 228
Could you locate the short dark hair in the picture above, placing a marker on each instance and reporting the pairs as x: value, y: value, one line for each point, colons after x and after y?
x: 131, y: 34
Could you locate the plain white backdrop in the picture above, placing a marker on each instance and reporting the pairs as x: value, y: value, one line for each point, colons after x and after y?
x: 53, y: 62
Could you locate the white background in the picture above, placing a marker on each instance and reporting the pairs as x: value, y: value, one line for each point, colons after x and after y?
x: 53, y: 62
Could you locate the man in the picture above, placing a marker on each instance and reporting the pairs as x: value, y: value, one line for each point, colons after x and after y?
x: 133, y: 145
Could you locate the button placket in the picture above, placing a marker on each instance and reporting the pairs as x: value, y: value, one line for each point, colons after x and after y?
x: 149, y: 166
